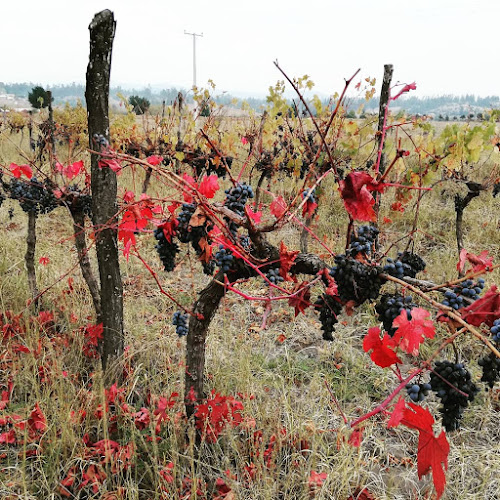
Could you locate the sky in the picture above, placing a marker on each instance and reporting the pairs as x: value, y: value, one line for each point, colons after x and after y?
x: 445, y: 46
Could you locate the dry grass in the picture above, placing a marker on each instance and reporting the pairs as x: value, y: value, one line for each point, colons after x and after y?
x: 286, y: 379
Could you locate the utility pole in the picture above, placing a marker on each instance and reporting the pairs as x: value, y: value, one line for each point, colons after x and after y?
x: 194, y: 35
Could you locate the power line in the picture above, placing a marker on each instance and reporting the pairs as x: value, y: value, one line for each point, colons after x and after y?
x: 194, y: 35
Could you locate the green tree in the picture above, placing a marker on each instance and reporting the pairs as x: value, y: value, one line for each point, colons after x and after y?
x: 140, y: 104
x: 38, y: 97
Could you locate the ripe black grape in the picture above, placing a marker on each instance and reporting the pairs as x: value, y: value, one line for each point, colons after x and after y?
x: 491, y: 369
x: 389, y: 308
x: 329, y: 308
x: 445, y: 379
x: 273, y: 275
x: 179, y: 320
x: 418, y: 392
x: 167, y: 250
x: 224, y: 259
x: 406, y: 264
x: 495, y: 330
x: 33, y: 196
x: 356, y: 281
x: 457, y: 298
x: 237, y: 196
x: 363, y: 241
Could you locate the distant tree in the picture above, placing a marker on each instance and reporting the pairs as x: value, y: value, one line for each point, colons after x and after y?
x: 462, y: 117
x: 479, y: 116
x: 351, y: 114
x: 38, y: 97
x: 440, y: 117
x: 471, y: 116
x: 139, y: 104
x: 447, y: 118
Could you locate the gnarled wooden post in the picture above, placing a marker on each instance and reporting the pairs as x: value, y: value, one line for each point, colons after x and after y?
x: 104, y: 186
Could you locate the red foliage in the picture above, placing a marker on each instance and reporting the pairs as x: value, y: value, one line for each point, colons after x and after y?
x: 480, y: 262
x: 209, y: 186
x: 19, y: 170
x: 382, y: 354
x: 484, y: 310
x: 432, y: 452
x: 278, y: 207
x: 358, y: 201
x: 70, y: 171
x: 154, y: 160
x: 213, y: 415
x: 411, y: 333
x: 287, y: 259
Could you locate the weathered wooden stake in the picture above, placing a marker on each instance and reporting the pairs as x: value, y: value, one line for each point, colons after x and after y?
x: 104, y: 186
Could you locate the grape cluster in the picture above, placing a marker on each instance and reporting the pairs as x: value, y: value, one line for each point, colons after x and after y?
x: 183, y: 229
x: 456, y: 298
x: 167, y: 250
x: 329, y: 308
x: 363, y: 241
x: 179, y: 320
x: 224, y: 259
x: 273, y: 275
x: 212, y: 166
x: 495, y: 330
x: 389, y: 308
x: 237, y: 196
x: 311, y: 198
x: 418, y: 392
x: 444, y: 379
x: 193, y: 235
x: 356, y: 281
x: 406, y: 264
x: 33, y: 196
x: 491, y: 369
x: 79, y: 202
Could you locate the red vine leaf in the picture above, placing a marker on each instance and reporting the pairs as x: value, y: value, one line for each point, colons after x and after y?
x: 70, y: 171
x: 19, y: 170
x: 356, y: 437
x: 154, y: 160
x: 484, y: 310
x: 411, y: 333
x: 286, y: 260
x: 406, y: 88
x: 209, y: 186
x: 332, y: 288
x: 480, y: 262
x: 255, y: 216
x: 382, y: 354
x: 278, y: 207
x: 186, y: 192
x: 206, y: 250
x: 112, y: 164
x: 432, y: 451
x: 355, y: 192
x: 301, y: 300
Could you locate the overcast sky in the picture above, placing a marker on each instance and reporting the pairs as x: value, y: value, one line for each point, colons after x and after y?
x: 445, y: 46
